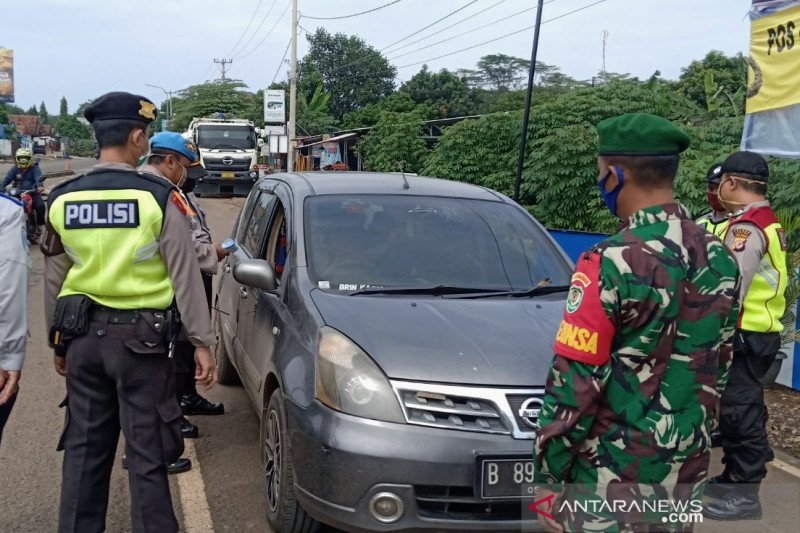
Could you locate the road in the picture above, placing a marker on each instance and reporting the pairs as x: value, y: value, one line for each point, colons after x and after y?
x: 224, y: 492
x: 55, y: 165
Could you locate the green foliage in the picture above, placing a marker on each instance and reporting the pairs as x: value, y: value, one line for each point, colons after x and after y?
x: 399, y: 102
x: 44, y: 116
x: 729, y: 76
x: 394, y: 143
x: 63, y: 109
x: 503, y: 72
x: 790, y: 220
x: 70, y: 127
x: 9, y: 129
x: 83, y: 147
x: 221, y: 96
x: 313, y: 117
x: 354, y: 73
x: 448, y: 93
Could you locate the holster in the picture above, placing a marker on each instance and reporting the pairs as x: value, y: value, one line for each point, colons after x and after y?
x: 70, y: 320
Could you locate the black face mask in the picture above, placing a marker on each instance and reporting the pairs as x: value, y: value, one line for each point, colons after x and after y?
x: 189, y: 185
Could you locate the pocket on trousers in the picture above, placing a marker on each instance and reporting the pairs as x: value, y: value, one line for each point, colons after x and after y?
x: 65, y: 405
x: 171, y: 440
x: 151, y: 334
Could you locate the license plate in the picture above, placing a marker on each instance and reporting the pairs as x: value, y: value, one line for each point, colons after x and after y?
x: 228, y: 175
x: 505, y: 477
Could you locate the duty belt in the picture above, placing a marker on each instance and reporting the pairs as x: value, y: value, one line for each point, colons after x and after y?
x: 119, y: 316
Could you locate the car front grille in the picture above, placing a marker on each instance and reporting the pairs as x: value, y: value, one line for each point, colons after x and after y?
x: 476, y: 409
x: 460, y: 503
x: 525, y: 419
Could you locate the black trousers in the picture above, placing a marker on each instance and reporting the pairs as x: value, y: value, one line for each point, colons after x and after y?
x: 38, y: 207
x: 112, y: 385
x: 743, y: 415
x: 184, y: 355
x: 5, y: 412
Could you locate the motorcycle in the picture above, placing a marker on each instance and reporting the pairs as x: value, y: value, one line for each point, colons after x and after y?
x: 26, y: 197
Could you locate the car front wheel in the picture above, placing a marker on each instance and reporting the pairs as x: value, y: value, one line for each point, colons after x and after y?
x: 226, y: 373
x: 284, y: 513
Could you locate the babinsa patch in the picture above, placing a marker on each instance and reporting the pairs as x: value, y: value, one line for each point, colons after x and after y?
x: 580, y: 282
x: 88, y: 214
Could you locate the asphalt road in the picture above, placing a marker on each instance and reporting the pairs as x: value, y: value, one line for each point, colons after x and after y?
x: 55, y: 165
x: 225, y: 491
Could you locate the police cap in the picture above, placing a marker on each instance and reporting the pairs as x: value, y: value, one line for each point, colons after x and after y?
x: 749, y: 163
x: 714, y: 173
x: 640, y: 134
x: 121, y: 106
x: 170, y: 141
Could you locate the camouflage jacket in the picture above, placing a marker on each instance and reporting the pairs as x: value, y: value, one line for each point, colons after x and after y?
x: 642, y: 356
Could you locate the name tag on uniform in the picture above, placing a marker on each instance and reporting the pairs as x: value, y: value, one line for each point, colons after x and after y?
x: 101, y: 214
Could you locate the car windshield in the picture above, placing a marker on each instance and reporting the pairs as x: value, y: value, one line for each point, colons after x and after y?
x: 222, y: 136
x: 374, y: 241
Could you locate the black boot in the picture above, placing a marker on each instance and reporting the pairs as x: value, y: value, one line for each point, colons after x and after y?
x: 194, y: 404
x: 719, y: 486
x: 181, y: 465
x: 188, y: 430
x: 741, y: 503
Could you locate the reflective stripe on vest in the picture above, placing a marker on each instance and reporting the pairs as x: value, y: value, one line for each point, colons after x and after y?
x: 765, y: 302
x: 112, y: 238
x: 719, y: 229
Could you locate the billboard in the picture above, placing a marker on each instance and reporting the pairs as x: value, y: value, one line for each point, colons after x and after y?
x: 773, y: 102
x: 6, y: 75
x: 275, y: 106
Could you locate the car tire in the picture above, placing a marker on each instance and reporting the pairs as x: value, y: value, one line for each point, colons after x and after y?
x: 226, y: 373
x: 284, y: 513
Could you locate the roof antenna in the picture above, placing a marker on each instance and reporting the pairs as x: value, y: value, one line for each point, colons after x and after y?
x: 405, y: 181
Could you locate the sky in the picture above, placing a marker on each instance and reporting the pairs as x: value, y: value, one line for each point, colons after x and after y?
x: 81, y: 49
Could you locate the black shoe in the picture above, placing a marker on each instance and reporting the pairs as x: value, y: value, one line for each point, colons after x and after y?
x: 740, y: 504
x: 194, y: 404
x: 181, y: 465
x: 188, y: 430
x: 719, y: 486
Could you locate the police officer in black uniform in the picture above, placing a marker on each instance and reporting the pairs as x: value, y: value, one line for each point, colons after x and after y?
x: 119, y: 268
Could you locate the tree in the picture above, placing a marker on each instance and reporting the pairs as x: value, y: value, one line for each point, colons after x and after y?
x: 82, y: 108
x: 313, y: 117
x: 399, y: 102
x: 63, y: 110
x: 44, y: 116
x: 395, y: 143
x: 221, y: 96
x: 354, y: 73
x: 70, y: 127
x: 729, y: 75
x: 32, y: 110
x: 4, y: 120
x: 502, y: 71
x: 449, y: 93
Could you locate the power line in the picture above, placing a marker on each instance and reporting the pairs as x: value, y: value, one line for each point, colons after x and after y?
x: 280, y: 63
x: 502, y: 36
x: 450, y: 26
x: 261, y: 25
x: 429, y: 25
x: 252, y: 18
x: 354, y: 14
x: 261, y: 42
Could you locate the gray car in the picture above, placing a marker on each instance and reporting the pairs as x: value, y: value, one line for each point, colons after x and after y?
x: 394, y: 335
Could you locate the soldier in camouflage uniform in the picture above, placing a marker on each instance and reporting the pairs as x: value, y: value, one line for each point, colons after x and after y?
x: 644, y: 349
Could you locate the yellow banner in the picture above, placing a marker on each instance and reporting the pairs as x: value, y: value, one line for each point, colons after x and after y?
x: 774, y: 73
x: 6, y: 75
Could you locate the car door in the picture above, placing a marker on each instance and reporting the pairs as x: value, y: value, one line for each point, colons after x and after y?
x: 246, y: 309
x: 270, y: 311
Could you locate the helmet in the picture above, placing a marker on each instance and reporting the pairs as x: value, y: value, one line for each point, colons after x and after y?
x: 24, y: 158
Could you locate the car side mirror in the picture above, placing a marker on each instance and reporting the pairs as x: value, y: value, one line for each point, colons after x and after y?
x: 255, y: 273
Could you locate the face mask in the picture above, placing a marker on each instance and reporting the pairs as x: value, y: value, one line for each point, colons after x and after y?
x: 610, y: 197
x: 184, y: 173
x: 729, y: 205
x: 714, y: 202
x: 142, y: 155
x: 188, y: 185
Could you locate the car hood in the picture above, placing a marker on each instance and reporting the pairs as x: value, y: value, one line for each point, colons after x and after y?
x: 487, y: 341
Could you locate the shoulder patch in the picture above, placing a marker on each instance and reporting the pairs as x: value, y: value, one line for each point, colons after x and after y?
x: 740, y: 237
x: 586, y: 331
x: 782, y: 237
x: 181, y: 203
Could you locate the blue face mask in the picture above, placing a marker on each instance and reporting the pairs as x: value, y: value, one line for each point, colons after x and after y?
x: 610, y: 197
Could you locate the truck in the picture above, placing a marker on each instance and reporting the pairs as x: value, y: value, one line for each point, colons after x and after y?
x: 229, y: 152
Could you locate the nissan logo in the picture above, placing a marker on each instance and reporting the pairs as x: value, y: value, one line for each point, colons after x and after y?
x: 227, y: 161
x: 529, y: 411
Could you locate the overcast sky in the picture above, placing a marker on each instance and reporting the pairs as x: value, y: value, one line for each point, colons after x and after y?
x: 84, y: 48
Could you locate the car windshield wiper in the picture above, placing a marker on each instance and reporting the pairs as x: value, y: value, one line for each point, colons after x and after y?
x: 535, y: 291
x: 435, y: 290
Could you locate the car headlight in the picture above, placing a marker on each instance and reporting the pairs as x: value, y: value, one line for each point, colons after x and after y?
x: 254, y: 175
x: 350, y: 382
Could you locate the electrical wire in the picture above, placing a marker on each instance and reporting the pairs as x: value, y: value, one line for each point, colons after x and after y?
x: 502, y: 36
x: 261, y: 25
x: 268, y: 33
x: 435, y: 22
x: 353, y: 14
x: 252, y: 18
x: 280, y: 63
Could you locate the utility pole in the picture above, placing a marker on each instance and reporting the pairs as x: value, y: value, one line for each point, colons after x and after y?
x: 223, y: 65
x: 292, y: 92
x: 523, y: 142
x: 605, y: 42
x: 168, y: 94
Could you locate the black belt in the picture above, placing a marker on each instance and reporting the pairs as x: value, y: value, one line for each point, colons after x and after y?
x: 119, y: 316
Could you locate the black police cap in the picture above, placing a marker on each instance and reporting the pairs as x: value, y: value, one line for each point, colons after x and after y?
x: 714, y: 174
x: 121, y: 106
x: 749, y: 163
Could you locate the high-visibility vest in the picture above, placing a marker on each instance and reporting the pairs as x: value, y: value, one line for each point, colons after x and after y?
x: 717, y: 228
x: 109, y: 222
x: 765, y: 302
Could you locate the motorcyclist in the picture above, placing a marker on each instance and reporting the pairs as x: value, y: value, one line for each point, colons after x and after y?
x: 27, y: 172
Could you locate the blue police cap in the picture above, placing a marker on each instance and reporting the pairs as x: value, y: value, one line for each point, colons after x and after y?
x: 173, y: 142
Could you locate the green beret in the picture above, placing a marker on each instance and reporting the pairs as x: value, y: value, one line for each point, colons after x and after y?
x: 640, y: 134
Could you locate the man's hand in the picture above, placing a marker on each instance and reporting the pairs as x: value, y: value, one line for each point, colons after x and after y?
x: 221, y: 252
x: 205, y: 370
x: 549, y: 524
x: 9, y: 384
x: 61, y: 365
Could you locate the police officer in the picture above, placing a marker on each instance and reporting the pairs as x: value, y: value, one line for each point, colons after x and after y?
x: 715, y: 221
x: 757, y: 240
x: 643, y: 348
x: 118, y: 255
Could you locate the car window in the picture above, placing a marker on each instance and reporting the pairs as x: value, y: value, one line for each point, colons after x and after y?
x: 276, y: 247
x: 244, y: 215
x: 257, y: 224
x: 359, y: 241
